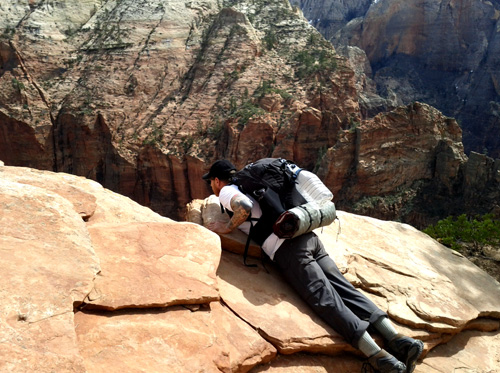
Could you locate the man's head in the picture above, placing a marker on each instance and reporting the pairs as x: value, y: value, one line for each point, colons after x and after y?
x: 219, y: 174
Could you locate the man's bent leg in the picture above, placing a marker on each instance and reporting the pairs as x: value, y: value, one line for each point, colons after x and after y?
x: 357, y: 302
x: 406, y: 349
x: 299, y: 267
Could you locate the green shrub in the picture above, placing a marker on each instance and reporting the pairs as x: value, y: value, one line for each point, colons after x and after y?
x: 245, y: 111
x: 155, y: 137
x: 310, y: 62
x: 270, y: 40
x: 456, y: 232
x: 215, y: 131
x: 8, y: 32
x: 266, y: 87
x: 16, y: 84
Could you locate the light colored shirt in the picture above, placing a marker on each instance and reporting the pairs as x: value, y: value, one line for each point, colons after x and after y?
x: 273, y: 242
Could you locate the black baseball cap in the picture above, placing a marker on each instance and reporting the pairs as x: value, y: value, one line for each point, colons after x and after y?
x: 220, y: 169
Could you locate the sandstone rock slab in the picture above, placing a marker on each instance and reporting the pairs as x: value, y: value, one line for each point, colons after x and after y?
x: 429, y: 291
x: 154, y: 264
x: 172, y: 340
x: 68, y: 186
x: 94, y: 203
x: 271, y: 306
x: 470, y: 351
x: 114, y: 208
x: 46, y: 346
x: 48, y: 265
x: 43, y: 241
x: 309, y: 363
x: 426, y: 284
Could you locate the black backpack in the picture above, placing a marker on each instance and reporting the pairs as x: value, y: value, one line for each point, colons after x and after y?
x: 271, y: 183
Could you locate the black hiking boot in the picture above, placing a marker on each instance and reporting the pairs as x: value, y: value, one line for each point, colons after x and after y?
x: 384, y: 362
x: 407, y: 350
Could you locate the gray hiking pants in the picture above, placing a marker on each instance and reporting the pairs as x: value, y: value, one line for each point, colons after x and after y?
x: 315, y: 276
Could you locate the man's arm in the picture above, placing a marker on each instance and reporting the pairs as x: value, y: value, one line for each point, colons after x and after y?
x: 241, y: 206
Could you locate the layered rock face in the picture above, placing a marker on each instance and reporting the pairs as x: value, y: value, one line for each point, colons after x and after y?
x: 328, y: 16
x: 400, y: 166
x: 439, y: 52
x: 143, y: 97
x: 99, y: 283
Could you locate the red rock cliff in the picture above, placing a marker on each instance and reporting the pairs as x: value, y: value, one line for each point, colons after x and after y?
x: 143, y: 97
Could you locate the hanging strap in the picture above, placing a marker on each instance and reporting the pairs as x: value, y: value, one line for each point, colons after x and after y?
x: 247, y: 245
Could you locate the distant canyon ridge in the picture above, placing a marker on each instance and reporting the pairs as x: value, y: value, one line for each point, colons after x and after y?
x: 142, y: 97
x: 443, y: 52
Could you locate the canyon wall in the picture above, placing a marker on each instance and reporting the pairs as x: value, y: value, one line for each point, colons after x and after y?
x: 142, y: 97
x: 441, y: 52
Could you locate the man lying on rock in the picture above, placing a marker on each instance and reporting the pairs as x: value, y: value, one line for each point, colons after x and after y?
x: 315, y: 276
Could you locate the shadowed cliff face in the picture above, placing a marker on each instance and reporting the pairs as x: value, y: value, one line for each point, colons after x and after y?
x: 142, y: 97
x: 444, y: 53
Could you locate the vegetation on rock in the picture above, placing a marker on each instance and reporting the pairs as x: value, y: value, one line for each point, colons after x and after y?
x: 466, y: 231
x: 478, y: 238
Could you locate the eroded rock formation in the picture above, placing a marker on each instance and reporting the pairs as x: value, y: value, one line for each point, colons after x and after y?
x: 66, y: 270
x: 439, y: 52
x: 142, y: 97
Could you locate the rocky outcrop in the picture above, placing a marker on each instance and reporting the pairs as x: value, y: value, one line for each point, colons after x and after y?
x: 328, y: 16
x: 209, y: 339
x: 438, y: 52
x: 142, y: 98
x: 66, y: 272
x: 120, y: 288
x: 169, y: 274
x: 384, y: 167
